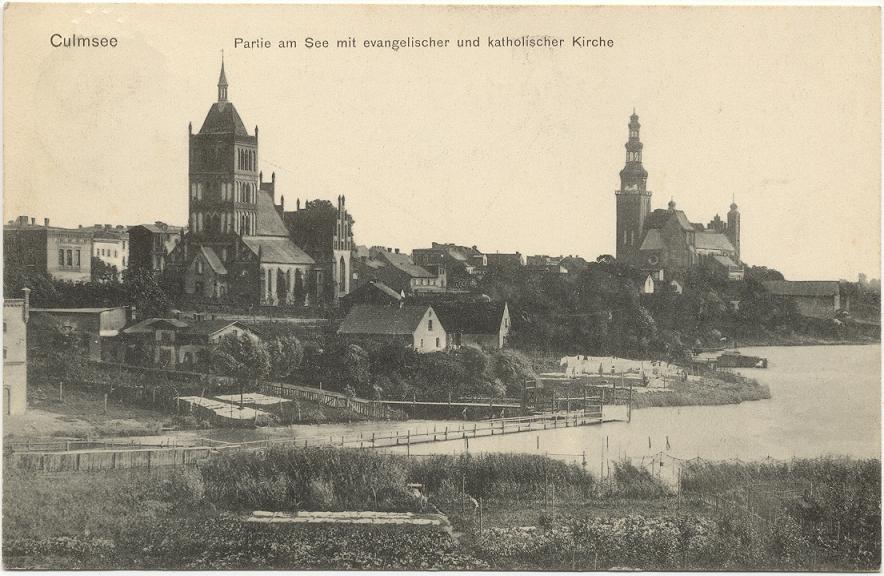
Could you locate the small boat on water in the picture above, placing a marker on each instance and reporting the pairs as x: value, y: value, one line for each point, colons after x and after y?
x: 734, y: 359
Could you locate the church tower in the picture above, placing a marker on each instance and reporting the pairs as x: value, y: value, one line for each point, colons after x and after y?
x: 633, y: 198
x: 223, y: 178
x: 733, y: 228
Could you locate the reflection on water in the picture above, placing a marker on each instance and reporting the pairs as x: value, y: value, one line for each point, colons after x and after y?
x: 826, y: 400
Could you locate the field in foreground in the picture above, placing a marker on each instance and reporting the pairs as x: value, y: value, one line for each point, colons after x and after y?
x: 536, y: 513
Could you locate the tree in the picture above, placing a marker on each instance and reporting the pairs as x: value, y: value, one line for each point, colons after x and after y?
x: 285, y: 354
x: 57, y: 349
x: 102, y: 272
x: 145, y: 294
x: 241, y: 357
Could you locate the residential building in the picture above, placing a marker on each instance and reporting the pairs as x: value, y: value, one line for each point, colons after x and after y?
x: 62, y: 253
x: 15, y: 354
x: 460, y: 266
x: 814, y: 298
x: 415, y: 326
x: 402, y: 275
x: 477, y: 324
x: 151, y: 244
x: 373, y: 292
x: 98, y: 326
x: 179, y: 344
x: 503, y: 262
x: 110, y: 244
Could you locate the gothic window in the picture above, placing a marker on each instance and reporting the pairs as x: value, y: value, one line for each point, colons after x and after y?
x: 199, y: 266
x: 343, y: 274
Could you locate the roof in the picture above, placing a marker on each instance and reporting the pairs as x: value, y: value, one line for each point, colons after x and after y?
x: 223, y: 119
x: 659, y: 217
x: 209, y: 327
x: 471, y: 317
x: 76, y: 310
x: 653, y: 240
x: 376, y: 319
x: 269, y: 222
x: 146, y: 326
x: 157, y: 230
x: 403, y: 262
x: 213, y: 260
x: 276, y: 250
x: 725, y: 261
x: 802, y: 287
x: 713, y: 241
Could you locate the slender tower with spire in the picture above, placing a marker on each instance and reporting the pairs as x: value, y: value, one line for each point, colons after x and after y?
x: 733, y: 227
x: 633, y: 197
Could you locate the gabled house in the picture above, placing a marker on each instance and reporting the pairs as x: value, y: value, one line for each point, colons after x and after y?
x: 478, y: 324
x: 415, y: 326
x: 814, y: 298
x: 173, y: 343
x: 374, y: 292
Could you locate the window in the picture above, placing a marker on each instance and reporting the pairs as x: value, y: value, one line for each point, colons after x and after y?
x: 77, y: 259
x: 430, y: 325
x: 437, y: 342
x: 199, y: 266
x: 422, y: 343
x: 61, y: 257
x: 115, y: 253
x: 70, y: 258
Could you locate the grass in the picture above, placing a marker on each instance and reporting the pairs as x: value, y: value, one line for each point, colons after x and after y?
x: 536, y: 514
x: 705, y: 392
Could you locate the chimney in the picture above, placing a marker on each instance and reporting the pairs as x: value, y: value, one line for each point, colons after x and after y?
x: 273, y: 177
x: 33, y: 221
x: 397, y: 250
x: 26, y: 310
x: 46, y: 222
x: 80, y: 226
x: 282, y: 202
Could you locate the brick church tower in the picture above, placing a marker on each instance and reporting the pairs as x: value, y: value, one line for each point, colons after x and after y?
x: 224, y: 179
x: 633, y: 198
x: 733, y: 228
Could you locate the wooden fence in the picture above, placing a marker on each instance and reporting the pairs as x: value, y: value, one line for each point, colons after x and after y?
x: 366, y: 408
x: 96, y: 460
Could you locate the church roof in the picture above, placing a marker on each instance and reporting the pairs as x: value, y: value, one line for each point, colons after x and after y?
x: 713, y: 241
x: 213, y: 261
x: 653, y: 240
x: 277, y: 250
x: 659, y: 217
x: 269, y: 222
x: 223, y: 119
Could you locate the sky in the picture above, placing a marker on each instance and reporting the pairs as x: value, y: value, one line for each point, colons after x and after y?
x: 509, y: 149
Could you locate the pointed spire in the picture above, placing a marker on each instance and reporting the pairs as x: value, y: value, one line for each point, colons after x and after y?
x: 222, y: 82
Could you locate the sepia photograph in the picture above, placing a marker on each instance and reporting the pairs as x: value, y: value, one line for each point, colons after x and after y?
x: 441, y: 288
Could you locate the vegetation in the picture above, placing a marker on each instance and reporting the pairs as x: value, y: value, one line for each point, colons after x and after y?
x: 600, y: 311
x: 724, y: 388
x: 537, y: 513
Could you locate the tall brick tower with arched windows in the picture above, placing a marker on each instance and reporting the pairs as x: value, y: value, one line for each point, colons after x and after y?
x: 224, y: 177
x: 633, y: 198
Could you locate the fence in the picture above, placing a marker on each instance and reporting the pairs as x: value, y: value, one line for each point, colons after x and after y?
x: 366, y: 408
x: 97, y: 460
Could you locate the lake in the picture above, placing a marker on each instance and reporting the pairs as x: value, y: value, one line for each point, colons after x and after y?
x: 825, y: 400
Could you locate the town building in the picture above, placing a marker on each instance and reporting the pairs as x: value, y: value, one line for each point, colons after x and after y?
x: 98, y: 327
x: 401, y: 274
x: 151, y: 244
x: 502, y: 262
x: 477, y: 324
x: 237, y: 248
x: 110, y: 244
x: 543, y: 264
x: 176, y: 343
x: 415, y: 326
x: 62, y: 253
x: 460, y: 266
x: 15, y: 354
x: 665, y: 242
x: 373, y: 292
x: 813, y: 298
